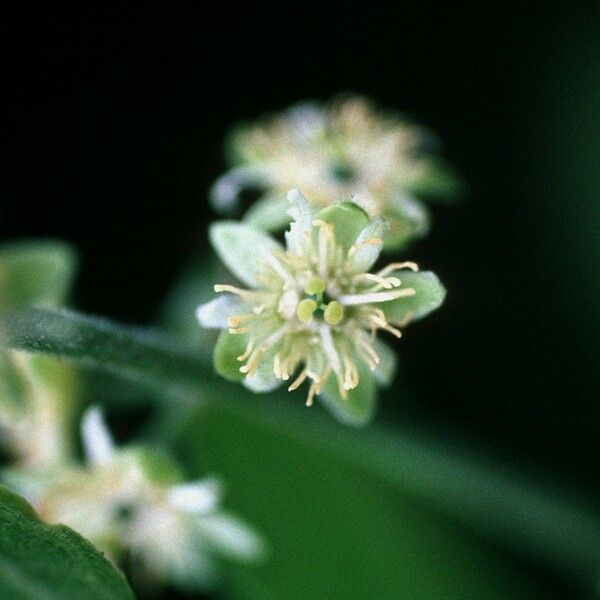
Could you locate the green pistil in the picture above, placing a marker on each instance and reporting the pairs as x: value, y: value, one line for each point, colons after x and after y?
x: 315, y: 286
x: 305, y: 309
x: 333, y: 313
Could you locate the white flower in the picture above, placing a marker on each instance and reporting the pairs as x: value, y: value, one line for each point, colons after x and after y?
x: 313, y: 309
x: 129, y: 502
x: 340, y: 151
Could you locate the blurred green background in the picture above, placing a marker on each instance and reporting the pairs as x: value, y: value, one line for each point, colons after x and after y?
x: 116, y: 122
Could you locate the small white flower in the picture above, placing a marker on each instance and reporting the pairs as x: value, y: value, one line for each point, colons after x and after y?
x: 312, y: 309
x: 342, y: 150
x: 131, y: 502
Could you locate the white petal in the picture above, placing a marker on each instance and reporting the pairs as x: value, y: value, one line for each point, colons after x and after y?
x: 97, y: 441
x: 230, y: 536
x: 242, y: 248
x: 215, y: 314
x: 301, y: 224
x: 366, y: 255
x: 226, y: 190
x: 199, y: 496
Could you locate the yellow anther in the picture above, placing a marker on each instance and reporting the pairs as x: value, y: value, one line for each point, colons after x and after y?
x: 315, y: 285
x: 334, y: 312
x: 305, y: 309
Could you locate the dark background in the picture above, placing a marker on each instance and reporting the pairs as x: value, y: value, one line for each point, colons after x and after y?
x: 115, y: 122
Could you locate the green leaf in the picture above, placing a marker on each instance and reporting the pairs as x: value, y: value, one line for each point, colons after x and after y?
x: 359, y: 408
x: 227, y: 349
x: 241, y: 247
x: 269, y: 213
x: 430, y: 294
x: 39, y: 561
x: 348, y: 220
x: 334, y: 530
x: 35, y: 273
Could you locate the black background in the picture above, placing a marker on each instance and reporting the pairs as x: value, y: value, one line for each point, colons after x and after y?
x: 115, y: 121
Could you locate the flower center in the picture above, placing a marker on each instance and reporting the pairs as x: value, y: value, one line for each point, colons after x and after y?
x: 316, y: 304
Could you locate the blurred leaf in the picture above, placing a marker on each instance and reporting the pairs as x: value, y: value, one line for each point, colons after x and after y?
x: 336, y: 532
x: 530, y: 518
x: 38, y: 561
x: 35, y: 273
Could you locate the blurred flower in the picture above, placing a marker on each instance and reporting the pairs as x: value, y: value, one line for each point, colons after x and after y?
x: 133, y: 504
x: 313, y: 309
x: 345, y: 150
x: 37, y: 401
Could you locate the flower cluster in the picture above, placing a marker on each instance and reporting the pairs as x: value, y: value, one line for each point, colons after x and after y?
x: 339, y: 151
x: 134, y: 506
x: 312, y: 309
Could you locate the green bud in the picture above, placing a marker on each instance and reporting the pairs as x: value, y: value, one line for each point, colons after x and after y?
x: 305, y: 309
x: 334, y: 312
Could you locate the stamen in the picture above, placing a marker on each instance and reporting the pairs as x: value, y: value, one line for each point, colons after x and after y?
x: 366, y: 242
x: 397, y: 266
x: 325, y: 234
x: 368, y: 298
x: 246, y: 294
x: 248, y: 350
x: 299, y: 380
x: 383, y: 324
x: 272, y: 261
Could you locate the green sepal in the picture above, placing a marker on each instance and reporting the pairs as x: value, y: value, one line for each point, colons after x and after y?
x: 228, y: 347
x: 348, y: 220
x: 429, y: 296
x: 359, y: 408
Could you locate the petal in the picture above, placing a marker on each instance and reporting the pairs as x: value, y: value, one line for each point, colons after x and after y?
x: 215, y: 314
x: 359, y: 409
x: 430, y: 294
x: 198, y: 496
x: 230, y: 536
x: 388, y: 361
x: 301, y: 222
x: 269, y: 213
x: 225, y: 192
x: 366, y: 255
x: 408, y: 219
x: 97, y: 441
x: 348, y: 221
x: 242, y: 248
x: 228, y: 347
